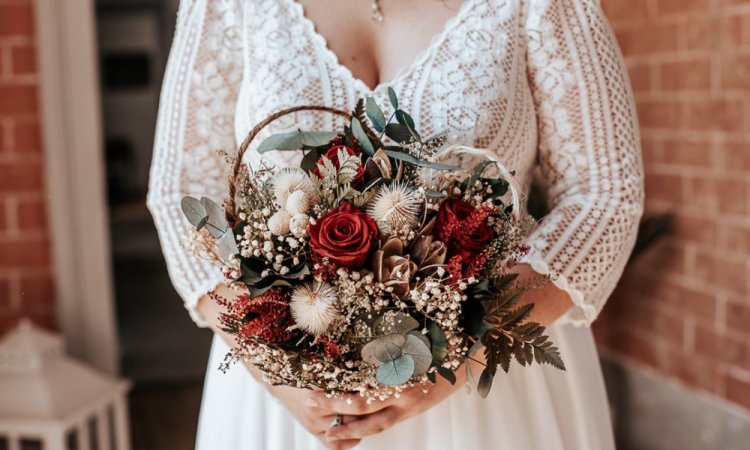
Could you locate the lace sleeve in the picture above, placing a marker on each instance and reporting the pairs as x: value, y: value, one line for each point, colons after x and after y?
x: 196, y: 117
x: 589, y: 152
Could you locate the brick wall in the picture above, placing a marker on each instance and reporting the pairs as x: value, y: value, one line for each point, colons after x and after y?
x: 26, y: 287
x: 683, y: 309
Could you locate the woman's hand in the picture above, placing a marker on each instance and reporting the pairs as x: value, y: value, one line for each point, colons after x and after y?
x: 362, y: 420
x: 315, y: 419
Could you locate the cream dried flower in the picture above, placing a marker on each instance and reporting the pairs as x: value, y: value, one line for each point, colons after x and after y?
x: 299, y: 225
x: 395, y: 207
x: 313, y: 307
x: 298, y: 202
x: 289, y: 180
x: 279, y: 223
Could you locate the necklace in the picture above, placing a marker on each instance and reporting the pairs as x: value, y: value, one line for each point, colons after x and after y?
x: 377, y: 13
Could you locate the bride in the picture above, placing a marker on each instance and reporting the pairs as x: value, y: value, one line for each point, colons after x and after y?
x: 540, y: 83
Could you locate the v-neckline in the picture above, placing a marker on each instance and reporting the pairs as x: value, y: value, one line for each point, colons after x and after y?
x: 321, y: 41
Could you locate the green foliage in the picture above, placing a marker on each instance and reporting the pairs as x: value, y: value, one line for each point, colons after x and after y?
x: 375, y: 114
x: 511, y: 335
x: 409, y: 159
x: 397, y: 371
x: 296, y: 140
x: 392, y: 97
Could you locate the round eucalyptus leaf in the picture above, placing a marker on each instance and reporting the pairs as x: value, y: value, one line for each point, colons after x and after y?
x: 400, y: 323
x: 228, y: 246
x: 419, y: 352
x: 382, y: 349
x: 396, y: 372
x: 194, y: 211
x: 418, y: 334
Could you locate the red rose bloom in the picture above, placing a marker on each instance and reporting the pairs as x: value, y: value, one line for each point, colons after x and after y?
x: 463, y: 228
x: 332, y: 155
x: 343, y: 235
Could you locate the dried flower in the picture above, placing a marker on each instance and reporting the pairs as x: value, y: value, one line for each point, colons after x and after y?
x: 313, y: 307
x: 290, y: 180
x: 279, y: 223
x: 298, y: 202
x: 298, y: 225
x: 396, y: 207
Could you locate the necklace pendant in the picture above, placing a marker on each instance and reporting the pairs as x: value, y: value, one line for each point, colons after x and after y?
x: 377, y: 13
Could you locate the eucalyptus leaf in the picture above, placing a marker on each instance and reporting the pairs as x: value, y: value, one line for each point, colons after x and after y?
x: 258, y: 291
x: 396, y: 372
x: 421, y: 337
x: 392, y: 97
x: 194, y: 211
x: 409, y: 159
x: 405, y: 119
x: 375, y: 114
x: 447, y: 374
x: 439, y: 346
x: 310, y: 160
x: 485, y: 382
x: 316, y: 138
x: 228, y: 246
x: 399, y: 133
x: 359, y: 132
x: 420, y: 352
x: 384, y: 348
x: 282, y: 141
x: 217, y: 222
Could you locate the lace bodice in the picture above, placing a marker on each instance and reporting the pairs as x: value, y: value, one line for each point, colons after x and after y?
x: 537, y: 82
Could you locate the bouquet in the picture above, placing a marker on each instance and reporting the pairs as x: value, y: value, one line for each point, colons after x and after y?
x: 374, y: 266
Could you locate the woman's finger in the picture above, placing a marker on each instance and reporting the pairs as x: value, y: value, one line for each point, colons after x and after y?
x: 352, y: 404
x: 368, y: 425
x: 343, y: 444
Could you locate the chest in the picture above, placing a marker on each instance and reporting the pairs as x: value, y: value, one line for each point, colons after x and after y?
x: 374, y: 51
x: 462, y: 74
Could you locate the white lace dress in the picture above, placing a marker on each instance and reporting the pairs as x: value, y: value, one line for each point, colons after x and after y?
x: 539, y: 82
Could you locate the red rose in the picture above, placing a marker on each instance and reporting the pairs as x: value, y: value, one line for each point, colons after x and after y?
x: 343, y: 235
x: 463, y: 228
x: 332, y: 155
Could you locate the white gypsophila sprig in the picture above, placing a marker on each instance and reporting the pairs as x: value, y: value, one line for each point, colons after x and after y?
x: 396, y: 207
x: 313, y: 307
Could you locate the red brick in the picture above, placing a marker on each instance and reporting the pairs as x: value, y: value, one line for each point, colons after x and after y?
x: 726, y: 349
x: 21, y: 176
x: 23, y: 60
x: 735, y: 156
x: 681, y: 6
x: 640, y: 78
x: 639, y: 347
x: 693, y: 154
x: 721, y: 271
x: 4, y: 294
x: 24, y: 253
x: 631, y: 10
x: 737, y: 390
x: 16, y: 20
x: 32, y: 215
x: 37, y: 294
x: 18, y: 99
x: 702, y: 193
x: 667, y: 188
x: 730, y: 31
x: 683, y: 300
x: 738, y: 316
x: 648, y: 40
x: 697, y: 35
x: 696, y: 228
x: 735, y: 238
x: 27, y: 137
x: 733, y: 196
x: 692, y: 369
x: 4, y: 225
x: 735, y: 72
x: 659, y: 114
x: 715, y: 115
x: 686, y: 75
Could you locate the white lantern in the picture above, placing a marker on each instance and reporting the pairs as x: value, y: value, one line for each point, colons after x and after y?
x: 49, y: 401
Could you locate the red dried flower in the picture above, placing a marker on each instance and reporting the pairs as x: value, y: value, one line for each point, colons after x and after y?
x: 266, y: 317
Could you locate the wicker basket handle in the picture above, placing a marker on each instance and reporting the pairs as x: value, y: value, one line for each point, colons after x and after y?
x: 230, y: 204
